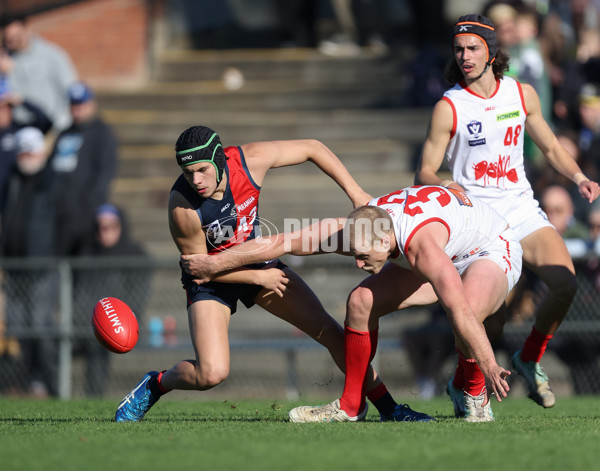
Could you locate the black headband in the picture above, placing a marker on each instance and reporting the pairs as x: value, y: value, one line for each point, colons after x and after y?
x: 480, y: 26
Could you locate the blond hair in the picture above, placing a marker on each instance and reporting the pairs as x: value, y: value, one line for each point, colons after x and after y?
x: 366, y: 226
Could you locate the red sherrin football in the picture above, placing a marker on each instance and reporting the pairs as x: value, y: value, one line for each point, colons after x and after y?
x: 115, y: 325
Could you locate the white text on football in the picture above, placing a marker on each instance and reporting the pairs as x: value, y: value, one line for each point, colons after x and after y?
x: 112, y: 316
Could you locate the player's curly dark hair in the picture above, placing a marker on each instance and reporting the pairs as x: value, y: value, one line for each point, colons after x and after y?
x: 453, y: 74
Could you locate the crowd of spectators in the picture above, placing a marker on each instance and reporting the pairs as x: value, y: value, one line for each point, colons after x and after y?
x: 57, y: 161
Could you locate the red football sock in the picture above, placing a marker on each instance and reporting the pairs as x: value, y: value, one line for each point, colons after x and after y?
x: 382, y: 399
x: 459, y: 374
x: 535, y: 346
x: 474, y: 380
x: 359, y: 353
x: 377, y: 393
x: 160, y: 386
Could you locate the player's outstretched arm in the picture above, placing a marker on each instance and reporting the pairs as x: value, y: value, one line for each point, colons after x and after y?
x: 324, y: 236
x: 262, y: 156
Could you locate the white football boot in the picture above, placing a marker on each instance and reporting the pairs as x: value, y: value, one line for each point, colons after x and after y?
x: 328, y: 413
x: 536, y: 379
x: 475, y: 411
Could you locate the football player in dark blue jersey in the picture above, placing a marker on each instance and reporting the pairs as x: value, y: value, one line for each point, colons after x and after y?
x: 214, y: 205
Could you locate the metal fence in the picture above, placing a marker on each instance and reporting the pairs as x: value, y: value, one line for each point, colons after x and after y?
x: 47, y: 345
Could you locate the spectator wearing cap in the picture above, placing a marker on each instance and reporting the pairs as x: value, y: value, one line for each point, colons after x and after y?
x: 38, y: 69
x: 84, y: 160
x: 589, y: 136
x: 10, y: 122
x: 29, y: 229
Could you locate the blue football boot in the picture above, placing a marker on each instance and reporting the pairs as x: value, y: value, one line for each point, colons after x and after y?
x: 134, y: 406
x: 403, y: 413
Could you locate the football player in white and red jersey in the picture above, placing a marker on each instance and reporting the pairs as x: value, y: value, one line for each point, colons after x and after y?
x: 445, y: 246
x: 478, y: 128
x: 213, y: 206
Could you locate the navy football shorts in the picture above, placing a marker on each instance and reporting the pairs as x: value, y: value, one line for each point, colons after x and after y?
x: 225, y: 293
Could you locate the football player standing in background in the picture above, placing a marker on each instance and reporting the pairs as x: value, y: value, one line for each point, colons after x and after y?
x: 478, y: 127
x: 214, y: 206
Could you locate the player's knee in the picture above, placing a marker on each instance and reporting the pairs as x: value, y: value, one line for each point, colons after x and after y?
x: 359, y: 304
x: 209, y: 377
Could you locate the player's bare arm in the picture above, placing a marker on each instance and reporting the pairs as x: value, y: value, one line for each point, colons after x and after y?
x: 262, y: 156
x: 324, y: 236
x: 185, y: 226
x: 188, y: 235
x: 427, y: 257
x: 434, y: 148
x: 557, y: 155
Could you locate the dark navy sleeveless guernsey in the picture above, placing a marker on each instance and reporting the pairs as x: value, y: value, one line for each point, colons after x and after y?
x: 233, y: 219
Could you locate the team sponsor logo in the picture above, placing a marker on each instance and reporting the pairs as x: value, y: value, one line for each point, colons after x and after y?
x: 476, y: 136
x: 508, y: 115
x: 245, y: 204
x: 224, y: 208
x: 489, y: 171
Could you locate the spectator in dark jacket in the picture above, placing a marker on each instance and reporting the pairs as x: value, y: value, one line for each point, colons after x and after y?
x: 29, y: 115
x: 29, y: 226
x: 84, y: 160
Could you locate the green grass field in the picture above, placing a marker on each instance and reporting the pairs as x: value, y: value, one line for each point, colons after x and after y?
x: 255, y: 435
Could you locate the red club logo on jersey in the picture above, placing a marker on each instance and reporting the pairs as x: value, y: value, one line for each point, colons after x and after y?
x: 495, y: 170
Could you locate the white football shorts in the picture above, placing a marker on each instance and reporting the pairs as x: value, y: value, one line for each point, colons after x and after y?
x: 505, y: 251
x: 526, y: 217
